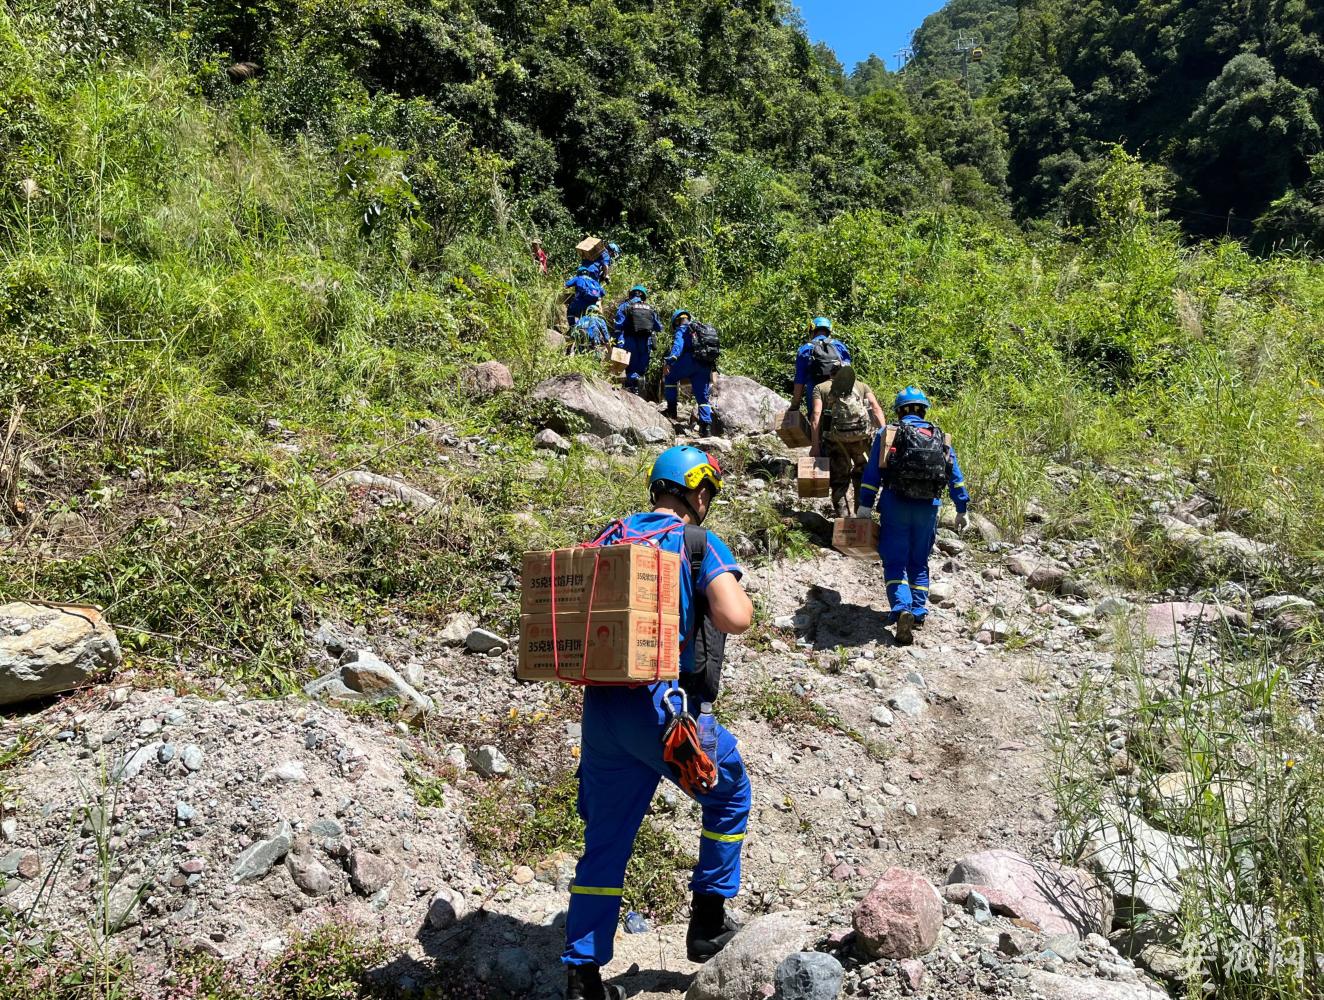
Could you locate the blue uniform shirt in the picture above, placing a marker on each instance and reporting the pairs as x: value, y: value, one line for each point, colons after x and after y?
x: 716, y: 561
x: 591, y: 330
x: 619, y: 325
x: 587, y: 291
x: 802, y: 357
x: 873, y: 473
x: 681, y: 342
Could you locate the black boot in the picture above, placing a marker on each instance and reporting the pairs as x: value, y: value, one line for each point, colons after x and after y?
x: 905, y: 623
x: 584, y: 982
x: 671, y: 414
x: 710, y: 928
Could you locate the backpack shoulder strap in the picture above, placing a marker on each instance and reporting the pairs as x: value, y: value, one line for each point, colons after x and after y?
x: 696, y: 548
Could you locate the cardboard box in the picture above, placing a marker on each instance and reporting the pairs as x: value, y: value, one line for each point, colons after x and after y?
x: 590, y: 248
x: 627, y: 580
x: 811, y: 477
x: 618, y: 360
x: 607, y: 646
x: 856, y: 537
x: 794, y: 429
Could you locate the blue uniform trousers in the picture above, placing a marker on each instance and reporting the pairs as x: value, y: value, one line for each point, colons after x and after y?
x: 907, y: 529
x: 619, y: 768
x: 685, y: 367
x: 640, y: 355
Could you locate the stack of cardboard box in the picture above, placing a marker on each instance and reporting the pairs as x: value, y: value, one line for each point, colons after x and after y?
x: 617, y: 615
x: 812, y: 477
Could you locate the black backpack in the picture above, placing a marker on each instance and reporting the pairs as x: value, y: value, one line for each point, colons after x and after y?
x: 708, y: 641
x: 707, y: 345
x: 824, y: 360
x: 639, y: 319
x: 920, y: 462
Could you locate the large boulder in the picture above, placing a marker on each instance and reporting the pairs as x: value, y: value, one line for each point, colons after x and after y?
x: 748, y: 964
x: 900, y: 917
x: 46, y: 649
x: 383, y: 487
x: 743, y: 406
x: 491, y: 378
x: 1142, y: 865
x: 1222, y: 553
x: 605, y: 408
x: 1052, y: 986
x: 1059, y: 899
x: 1168, y: 619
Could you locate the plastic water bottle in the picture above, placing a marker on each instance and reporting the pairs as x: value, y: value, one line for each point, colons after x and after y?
x: 708, y: 730
x: 635, y: 923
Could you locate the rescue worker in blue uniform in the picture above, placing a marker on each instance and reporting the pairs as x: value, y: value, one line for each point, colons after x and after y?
x: 621, y: 758
x: 810, y: 371
x: 585, y: 292
x: 636, y: 322
x: 908, y: 526
x: 681, y: 365
x: 590, y: 332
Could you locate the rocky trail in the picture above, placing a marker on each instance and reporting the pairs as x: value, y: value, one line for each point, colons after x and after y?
x: 883, y: 778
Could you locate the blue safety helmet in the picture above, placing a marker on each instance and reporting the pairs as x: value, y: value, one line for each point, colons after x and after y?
x: 821, y: 323
x: 683, y: 468
x: 582, y: 270
x: 910, y: 396
x: 640, y: 290
x: 675, y: 316
x: 614, y: 248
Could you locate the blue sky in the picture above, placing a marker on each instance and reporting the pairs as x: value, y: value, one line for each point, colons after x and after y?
x: 854, y: 28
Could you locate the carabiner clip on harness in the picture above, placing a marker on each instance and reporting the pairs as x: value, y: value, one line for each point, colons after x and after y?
x: 693, y: 768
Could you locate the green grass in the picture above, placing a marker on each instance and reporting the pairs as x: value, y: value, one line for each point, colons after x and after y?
x: 782, y: 708
x: 1253, y: 800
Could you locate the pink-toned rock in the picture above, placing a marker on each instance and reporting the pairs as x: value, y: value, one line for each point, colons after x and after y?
x: 912, y: 974
x: 843, y: 872
x: 900, y: 917
x: 487, y: 379
x: 1166, y: 619
x: 1058, y: 899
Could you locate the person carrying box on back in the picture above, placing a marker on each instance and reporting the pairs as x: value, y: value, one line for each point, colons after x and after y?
x: 842, y: 419
x: 910, y: 465
x: 626, y: 747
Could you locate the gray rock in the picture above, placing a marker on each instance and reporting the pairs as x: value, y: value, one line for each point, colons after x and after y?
x: 446, y: 908
x: 122, y: 907
x: 750, y: 960
x: 46, y: 650
x: 882, y: 715
x: 368, y: 873
x: 333, y: 638
x: 1267, y: 607
x: 130, y: 766
x: 259, y: 857
x: 324, y: 828
x: 1064, y: 946
x: 9, y: 863
x: 1053, y: 986
x: 1112, y: 607
x: 166, y: 754
x: 988, y: 531
x: 978, y: 907
x: 482, y: 641
x: 457, y: 629
x: 289, y: 772
x: 364, y: 672
x: 489, y: 761
x: 1141, y: 864
x: 907, y: 701
x: 743, y: 406
x: 606, y: 409
x: 514, y: 969
x: 386, y: 487
x: 549, y: 440
x: 941, y: 590
x: 9, y: 830
x: 808, y: 975
x: 310, y: 875
x: 1047, y: 577
x: 184, y: 813
x: 191, y: 755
